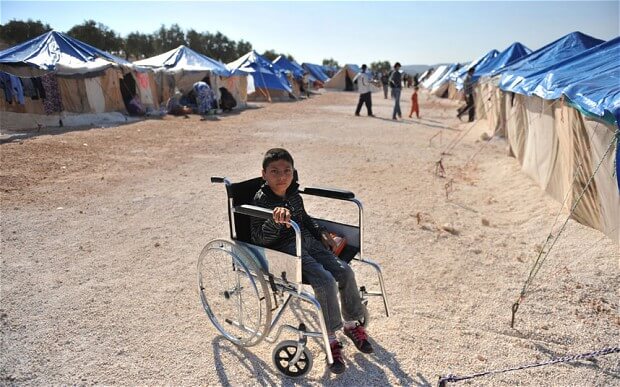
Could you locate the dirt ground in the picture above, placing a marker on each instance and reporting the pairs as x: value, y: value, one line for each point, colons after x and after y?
x: 102, y: 228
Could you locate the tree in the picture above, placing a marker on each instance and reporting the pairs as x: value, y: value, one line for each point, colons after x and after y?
x: 97, y: 35
x: 168, y: 39
x: 330, y: 62
x: 243, y: 47
x: 379, y: 67
x: 196, y: 41
x: 139, y: 46
x: 17, y: 31
x: 222, y: 48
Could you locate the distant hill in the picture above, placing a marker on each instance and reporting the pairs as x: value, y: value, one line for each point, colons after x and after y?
x: 412, y: 69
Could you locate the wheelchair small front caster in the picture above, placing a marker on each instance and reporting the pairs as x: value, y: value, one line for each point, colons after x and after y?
x: 285, y: 358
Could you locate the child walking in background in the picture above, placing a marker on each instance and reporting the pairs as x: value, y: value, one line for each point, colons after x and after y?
x: 414, y: 103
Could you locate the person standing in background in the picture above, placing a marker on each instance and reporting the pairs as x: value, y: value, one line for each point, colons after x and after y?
x: 364, y: 88
x: 384, y: 82
x: 396, y: 83
x: 414, y: 103
x: 468, y: 91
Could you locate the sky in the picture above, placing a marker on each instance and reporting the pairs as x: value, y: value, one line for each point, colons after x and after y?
x: 410, y: 32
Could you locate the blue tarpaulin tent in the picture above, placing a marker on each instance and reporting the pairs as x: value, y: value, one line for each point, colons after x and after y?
x: 293, y: 66
x: 265, y: 81
x: 84, y: 84
x: 330, y: 70
x: 439, y: 86
x: 512, y: 53
x: 590, y: 80
x: 554, y: 52
x: 184, y: 58
x: 459, y: 76
x: 56, y: 52
x: 316, y: 71
x: 265, y: 74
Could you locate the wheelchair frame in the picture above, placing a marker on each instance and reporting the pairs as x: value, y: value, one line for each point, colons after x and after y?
x: 284, y: 287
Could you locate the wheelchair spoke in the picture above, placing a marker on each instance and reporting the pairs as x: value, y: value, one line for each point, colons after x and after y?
x: 235, y: 299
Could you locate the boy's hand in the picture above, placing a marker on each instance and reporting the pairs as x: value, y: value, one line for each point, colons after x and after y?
x: 328, y: 241
x: 282, y: 215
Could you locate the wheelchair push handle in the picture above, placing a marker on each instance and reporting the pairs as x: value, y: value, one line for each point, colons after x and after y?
x: 219, y: 179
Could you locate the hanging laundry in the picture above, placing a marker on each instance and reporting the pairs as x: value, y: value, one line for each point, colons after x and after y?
x: 29, y: 90
x: 52, y: 103
x: 18, y: 90
x: 39, y: 86
x: 144, y: 89
x: 5, y: 83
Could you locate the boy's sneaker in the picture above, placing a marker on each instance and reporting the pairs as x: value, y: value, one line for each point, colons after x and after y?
x: 359, y: 337
x: 338, y: 366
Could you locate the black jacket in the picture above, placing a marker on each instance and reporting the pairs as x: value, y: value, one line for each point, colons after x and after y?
x: 396, y: 80
x: 268, y: 233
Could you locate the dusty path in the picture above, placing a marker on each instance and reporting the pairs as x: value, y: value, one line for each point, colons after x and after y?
x: 101, y: 229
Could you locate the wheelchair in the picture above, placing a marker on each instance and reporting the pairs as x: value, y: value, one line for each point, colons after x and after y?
x: 245, y: 288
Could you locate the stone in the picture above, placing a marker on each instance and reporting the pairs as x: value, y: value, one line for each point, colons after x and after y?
x: 450, y: 228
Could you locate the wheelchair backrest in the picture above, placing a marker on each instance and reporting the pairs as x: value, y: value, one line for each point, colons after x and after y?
x: 243, y: 193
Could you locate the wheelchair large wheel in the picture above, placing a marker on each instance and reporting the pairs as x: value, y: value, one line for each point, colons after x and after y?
x: 283, y: 355
x: 234, y: 292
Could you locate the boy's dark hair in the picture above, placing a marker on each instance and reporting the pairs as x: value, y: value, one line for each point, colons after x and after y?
x: 276, y: 154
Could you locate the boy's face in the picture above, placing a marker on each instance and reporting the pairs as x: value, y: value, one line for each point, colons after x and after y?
x: 279, y: 176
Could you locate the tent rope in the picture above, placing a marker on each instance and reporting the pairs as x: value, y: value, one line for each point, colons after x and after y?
x: 452, y: 144
x: 457, y: 139
x: 444, y: 380
x: 543, y: 254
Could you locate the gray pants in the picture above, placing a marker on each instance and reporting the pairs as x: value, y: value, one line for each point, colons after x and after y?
x: 329, y: 276
x: 396, y: 96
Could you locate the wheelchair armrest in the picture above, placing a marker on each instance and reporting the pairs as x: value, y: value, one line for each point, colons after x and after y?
x: 332, y: 193
x: 258, y: 212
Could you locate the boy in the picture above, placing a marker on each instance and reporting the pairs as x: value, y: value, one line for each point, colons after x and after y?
x: 320, y: 267
x: 414, y: 103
